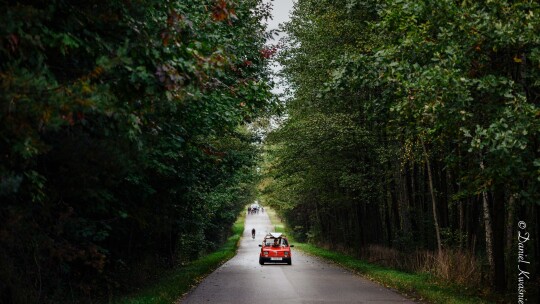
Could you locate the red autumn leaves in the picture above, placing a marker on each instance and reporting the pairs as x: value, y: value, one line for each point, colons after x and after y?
x: 223, y: 10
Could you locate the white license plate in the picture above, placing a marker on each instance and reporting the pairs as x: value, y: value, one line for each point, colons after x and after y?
x: 275, y: 259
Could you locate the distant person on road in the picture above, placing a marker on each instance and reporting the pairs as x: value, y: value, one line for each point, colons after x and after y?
x: 253, y: 233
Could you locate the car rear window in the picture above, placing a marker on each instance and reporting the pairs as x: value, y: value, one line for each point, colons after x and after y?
x: 270, y: 242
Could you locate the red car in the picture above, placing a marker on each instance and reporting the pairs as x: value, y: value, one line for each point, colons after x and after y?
x: 275, y: 248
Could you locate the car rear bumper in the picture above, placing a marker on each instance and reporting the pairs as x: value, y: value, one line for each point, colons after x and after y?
x: 263, y: 260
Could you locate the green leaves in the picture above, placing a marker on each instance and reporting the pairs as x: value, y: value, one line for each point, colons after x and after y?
x: 121, y: 128
x: 381, y: 89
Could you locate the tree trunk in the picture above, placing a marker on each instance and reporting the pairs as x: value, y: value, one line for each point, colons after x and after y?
x: 510, y: 223
x: 488, y: 228
x: 498, y: 238
x: 388, y: 217
x: 405, y: 204
x: 433, y: 200
x: 462, y: 241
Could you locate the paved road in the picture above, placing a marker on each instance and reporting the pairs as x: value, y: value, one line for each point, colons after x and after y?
x: 309, y: 280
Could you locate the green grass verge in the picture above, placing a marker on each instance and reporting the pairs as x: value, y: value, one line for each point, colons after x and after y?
x: 180, y: 280
x: 418, y: 286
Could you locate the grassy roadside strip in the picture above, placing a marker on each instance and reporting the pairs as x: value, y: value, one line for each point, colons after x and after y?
x: 180, y: 280
x: 418, y: 286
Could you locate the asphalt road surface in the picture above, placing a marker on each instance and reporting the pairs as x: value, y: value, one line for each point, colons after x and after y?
x: 308, y: 280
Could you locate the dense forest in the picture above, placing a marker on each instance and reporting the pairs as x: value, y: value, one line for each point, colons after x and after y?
x: 123, y: 139
x: 412, y: 135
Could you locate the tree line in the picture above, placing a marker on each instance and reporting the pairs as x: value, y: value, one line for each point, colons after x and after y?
x: 123, y: 139
x: 412, y: 126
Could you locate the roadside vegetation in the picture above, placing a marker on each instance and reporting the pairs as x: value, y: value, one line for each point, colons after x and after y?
x: 417, y: 286
x: 124, y: 140
x: 411, y: 136
x: 170, y: 286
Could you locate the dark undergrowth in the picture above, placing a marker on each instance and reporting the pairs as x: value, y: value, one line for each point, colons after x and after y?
x: 175, y: 283
x: 419, y: 286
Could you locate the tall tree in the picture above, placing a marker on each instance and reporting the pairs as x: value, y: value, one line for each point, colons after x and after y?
x: 122, y: 138
x: 447, y: 91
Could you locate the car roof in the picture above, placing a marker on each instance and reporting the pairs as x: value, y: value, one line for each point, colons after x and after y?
x: 274, y: 235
